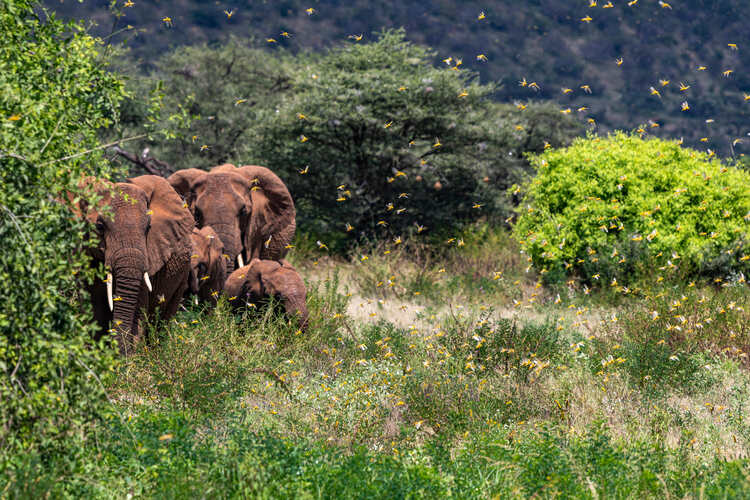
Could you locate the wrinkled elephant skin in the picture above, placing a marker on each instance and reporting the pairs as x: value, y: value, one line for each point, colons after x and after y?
x: 248, y: 207
x: 261, y: 279
x: 207, y: 265
x: 143, y: 235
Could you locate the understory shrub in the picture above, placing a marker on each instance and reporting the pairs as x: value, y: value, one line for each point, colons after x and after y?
x: 620, y: 206
x: 168, y: 456
x: 54, y: 94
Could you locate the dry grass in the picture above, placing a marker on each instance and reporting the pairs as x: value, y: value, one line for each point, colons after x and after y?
x: 391, y: 365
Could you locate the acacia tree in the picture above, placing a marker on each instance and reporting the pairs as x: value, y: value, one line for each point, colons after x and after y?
x: 378, y: 138
x: 414, y: 144
x: 208, y: 99
x: 54, y: 94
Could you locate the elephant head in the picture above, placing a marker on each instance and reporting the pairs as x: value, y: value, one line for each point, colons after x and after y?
x: 142, y: 228
x: 249, y: 207
x: 267, y: 278
x: 207, y: 264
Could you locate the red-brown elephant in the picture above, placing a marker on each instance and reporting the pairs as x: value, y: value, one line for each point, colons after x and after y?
x: 262, y: 279
x: 249, y: 207
x: 207, y: 265
x: 144, y: 231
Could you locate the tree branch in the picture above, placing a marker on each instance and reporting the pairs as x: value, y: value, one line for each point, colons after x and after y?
x: 149, y: 164
x: 4, y: 154
x: 103, y: 146
x: 18, y: 226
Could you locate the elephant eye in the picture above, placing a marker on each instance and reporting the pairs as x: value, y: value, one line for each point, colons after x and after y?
x: 243, y: 210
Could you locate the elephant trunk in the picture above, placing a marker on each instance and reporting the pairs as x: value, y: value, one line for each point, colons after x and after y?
x: 215, y: 283
x: 193, y: 284
x: 229, y: 234
x: 128, y: 273
x: 296, y: 307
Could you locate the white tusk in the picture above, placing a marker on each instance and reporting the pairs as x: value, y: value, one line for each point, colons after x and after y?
x: 109, y: 291
x: 148, y: 281
x: 239, y: 260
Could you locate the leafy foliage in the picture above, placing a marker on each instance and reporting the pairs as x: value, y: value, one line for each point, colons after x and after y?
x: 54, y: 94
x: 464, y: 401
x: 208, y: 98
x: 615, y: 204
x: 667, y: 342
x: 375, y: 138
x: 460, y: 403
x: 240, y: 104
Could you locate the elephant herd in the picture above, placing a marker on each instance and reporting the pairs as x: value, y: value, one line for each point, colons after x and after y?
x: 162, y: 240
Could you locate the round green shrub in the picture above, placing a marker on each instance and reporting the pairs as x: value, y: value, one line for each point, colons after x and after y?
x: 622, y: 207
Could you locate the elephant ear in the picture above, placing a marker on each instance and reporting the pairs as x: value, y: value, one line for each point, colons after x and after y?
x: 183, y: 181
x: 268, y: 287
x: 254, y: 278
x: 171, y: 222
x: 272, y: 207
x: 269, y: 275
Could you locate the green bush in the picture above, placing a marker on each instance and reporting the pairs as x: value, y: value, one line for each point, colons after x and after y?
x: 211, y: 97
x: 620, y: 206
x: 667, y: 340
x: 54, y: 95
x: 198, y: 363
x: 365, y: 123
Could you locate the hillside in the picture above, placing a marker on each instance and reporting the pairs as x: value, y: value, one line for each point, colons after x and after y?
x: 543, y: 41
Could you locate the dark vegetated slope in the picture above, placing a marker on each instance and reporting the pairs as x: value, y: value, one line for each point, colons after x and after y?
x: 541, y: 40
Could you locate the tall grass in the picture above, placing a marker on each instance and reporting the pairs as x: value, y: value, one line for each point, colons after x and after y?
x: 509, y: 392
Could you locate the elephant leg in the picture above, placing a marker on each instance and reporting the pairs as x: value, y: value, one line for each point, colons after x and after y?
x: 102, y: 315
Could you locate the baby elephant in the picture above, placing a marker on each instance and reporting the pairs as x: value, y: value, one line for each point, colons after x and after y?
x: 207, y: 265
x: 265, y: 278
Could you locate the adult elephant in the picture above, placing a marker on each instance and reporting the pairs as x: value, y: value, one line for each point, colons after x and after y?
x: 261, y: 279
x: 249, y: 207
x: 143, y: 233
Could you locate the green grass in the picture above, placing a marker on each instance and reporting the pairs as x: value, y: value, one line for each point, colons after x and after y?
x: 507, y: 393
x: 198, y: 460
